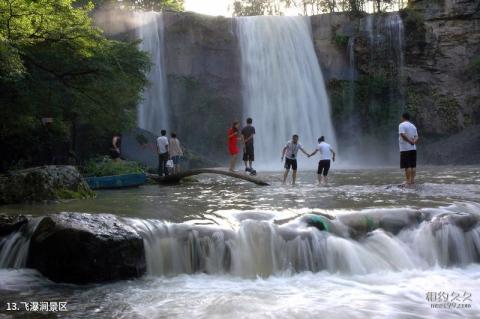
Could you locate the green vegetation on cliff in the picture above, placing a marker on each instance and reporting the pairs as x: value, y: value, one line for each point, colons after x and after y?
x: 58, y: 71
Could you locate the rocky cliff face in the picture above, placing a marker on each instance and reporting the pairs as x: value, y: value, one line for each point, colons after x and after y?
x: 203, y: 72
x: 332, y: 55
x: 439, y: 72
x: 442, y: 48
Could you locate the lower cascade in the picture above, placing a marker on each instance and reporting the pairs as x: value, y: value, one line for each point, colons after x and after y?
x: 355, y: 244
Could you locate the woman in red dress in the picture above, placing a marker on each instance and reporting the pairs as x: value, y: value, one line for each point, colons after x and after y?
x: 233, y: 137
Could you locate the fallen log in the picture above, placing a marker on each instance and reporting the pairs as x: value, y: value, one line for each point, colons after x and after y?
x: 175, y: 178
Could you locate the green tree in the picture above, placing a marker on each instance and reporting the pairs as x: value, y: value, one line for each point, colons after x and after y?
x: 256, y: 7
x: 56, y: 64
x: 146, y: 5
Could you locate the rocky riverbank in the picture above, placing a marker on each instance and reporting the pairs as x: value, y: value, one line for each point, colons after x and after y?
x: 45, y: 183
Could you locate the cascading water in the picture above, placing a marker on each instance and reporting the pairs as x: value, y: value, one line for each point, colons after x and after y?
x: 153, y: 113
x: 352, y: 121
x: 361, y: 243
x: 283, y: 86
x: 381, y: 93
x: 386, y: 44
x: 14, y: 247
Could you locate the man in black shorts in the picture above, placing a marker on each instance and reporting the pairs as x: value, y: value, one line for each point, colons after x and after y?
x: 248, y: 132
x: 290, y: 153
x: 407, y: 141
x: 324, y: 164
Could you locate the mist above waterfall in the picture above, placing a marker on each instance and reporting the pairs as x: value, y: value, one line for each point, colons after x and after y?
x: 283, y: 86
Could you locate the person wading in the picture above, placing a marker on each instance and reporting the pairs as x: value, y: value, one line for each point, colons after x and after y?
x: 407, y: 141
x: 290, y: 153
x: 324, y: 164
x: 233, y: 137
x: 248, y: 132
x: 162, y: 149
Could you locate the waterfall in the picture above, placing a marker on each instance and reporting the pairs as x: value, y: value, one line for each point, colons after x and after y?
x: 351, y: 125
x: 397, y: 42
x: 153, y: 113
x: 386, y: 43
x: 360, y: 243
x: 382, y: 97
x: 14, y: 247
x: 283, y: 86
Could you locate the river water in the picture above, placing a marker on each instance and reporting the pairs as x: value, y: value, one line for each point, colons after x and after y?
x: 311, y: 274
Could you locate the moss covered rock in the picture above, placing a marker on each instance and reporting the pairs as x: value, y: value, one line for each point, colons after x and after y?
x: 43, y: 183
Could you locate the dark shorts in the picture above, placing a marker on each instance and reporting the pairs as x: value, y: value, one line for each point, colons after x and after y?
x: 408, y: 159
x: 323, y: 167
x: 248, y: 152
x: 291, y: 163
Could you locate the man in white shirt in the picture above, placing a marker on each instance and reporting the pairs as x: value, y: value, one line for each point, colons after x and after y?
x: 162, y: 149
x: 407, y: 141
x: 324, y: 164
x: 290, y: 152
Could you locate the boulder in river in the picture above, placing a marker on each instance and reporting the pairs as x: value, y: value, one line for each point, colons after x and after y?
x: 49, y: 182
x: 85, y: 248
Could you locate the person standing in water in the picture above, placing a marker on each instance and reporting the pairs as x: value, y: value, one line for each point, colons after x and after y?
x: 233, y: 137
x: 248, y: 132
x: 407, y: 141
x: 324, y: 164
x: 175, y: 152
x: 162, y: 149
x: 290, y: 153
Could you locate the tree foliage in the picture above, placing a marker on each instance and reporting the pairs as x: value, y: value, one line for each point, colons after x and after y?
x: 312, y: 7
x: 256, y: 7
x: 55, y: 64
x: 145, y: 5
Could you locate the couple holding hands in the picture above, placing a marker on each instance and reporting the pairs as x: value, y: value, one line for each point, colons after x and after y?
x: 290, y: 151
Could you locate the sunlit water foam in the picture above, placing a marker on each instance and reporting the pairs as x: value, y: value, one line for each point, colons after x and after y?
x: 361, y: 243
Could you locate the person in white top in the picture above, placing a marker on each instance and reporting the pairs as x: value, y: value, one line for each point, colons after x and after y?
x: 407, y: 142
x: 290, y: 152
x: 162, y: 149
x: 175, y: 151
x: 324, y: 164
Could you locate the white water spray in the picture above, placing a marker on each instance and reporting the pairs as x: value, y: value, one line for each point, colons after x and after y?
x: 283, y: 86
x: 262, y: 248
x: 153, y: 114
